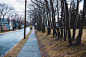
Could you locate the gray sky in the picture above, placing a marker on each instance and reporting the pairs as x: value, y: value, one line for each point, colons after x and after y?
x: 19, y: 5
x: 81, y: 5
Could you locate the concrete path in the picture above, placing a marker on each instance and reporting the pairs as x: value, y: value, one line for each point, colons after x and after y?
x: 10, y: 39
x: 30, y: 48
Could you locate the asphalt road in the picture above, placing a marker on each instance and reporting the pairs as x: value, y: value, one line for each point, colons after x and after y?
x: 10, y: 39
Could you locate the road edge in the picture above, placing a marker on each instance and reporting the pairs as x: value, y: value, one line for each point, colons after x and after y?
x: 8, y: 53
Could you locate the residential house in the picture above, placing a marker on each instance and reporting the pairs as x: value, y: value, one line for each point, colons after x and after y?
x: 6, y: 24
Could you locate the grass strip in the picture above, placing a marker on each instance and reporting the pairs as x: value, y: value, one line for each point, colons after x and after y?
x: 50, y: 47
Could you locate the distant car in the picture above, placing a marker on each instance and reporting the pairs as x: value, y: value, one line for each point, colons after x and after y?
x: 31, y: 27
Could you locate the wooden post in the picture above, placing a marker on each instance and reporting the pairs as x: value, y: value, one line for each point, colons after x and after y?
x: 25, y: 22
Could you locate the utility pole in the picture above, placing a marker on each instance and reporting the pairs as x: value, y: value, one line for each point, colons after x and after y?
x: 25, y: 21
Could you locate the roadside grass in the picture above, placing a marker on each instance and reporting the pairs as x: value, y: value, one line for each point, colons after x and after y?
x: 15, y: 51
x: 49, y: 47
x: 4, y: 31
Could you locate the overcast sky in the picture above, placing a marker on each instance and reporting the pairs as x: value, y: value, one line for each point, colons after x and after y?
x: 19, y: 5
x: 81, y: 5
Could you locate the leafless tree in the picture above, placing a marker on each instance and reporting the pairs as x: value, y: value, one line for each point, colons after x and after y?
x: 78, y: 40
x: 4, y: 10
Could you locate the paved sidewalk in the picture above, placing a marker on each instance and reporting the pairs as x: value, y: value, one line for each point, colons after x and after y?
x: 30, y: 48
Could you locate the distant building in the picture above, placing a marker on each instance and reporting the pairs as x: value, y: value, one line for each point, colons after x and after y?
x: 7, y: 24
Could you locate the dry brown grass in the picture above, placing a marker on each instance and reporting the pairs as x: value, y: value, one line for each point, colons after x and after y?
x: 49, y: 47
x: 14, y: 52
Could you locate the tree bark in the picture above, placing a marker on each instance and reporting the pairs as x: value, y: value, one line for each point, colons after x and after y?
x: 62, y: 18
x: 53, y: 18
x: 64, y: 23
x: 78, y: 40
x: 69, y: 32
x: 58, y: 21
x: 75, y: 25
x: 48, y: 13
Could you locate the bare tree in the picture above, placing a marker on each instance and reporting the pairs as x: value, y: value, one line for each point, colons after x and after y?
x: 68, y: 26
x: 78, y: 40
x: 4, y: 10
x: 77, y: 17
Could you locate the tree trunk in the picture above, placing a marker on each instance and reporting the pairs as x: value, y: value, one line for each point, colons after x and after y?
x: 2, y: 23
x: 78, y: 40
x: 13, y: 25
x: 53, y: 17
x: 75, y: 25
x: 64, y: 23
x: 48, y: 28
x: 69, y: 32
x: 62, y: 18
x: 48, y: 13
x: 58, y: 21
x: 43, y: 27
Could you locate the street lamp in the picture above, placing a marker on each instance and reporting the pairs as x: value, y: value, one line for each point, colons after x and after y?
x: 25, y: 21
